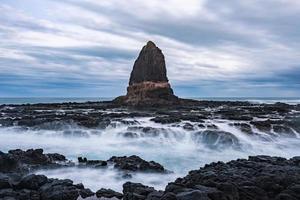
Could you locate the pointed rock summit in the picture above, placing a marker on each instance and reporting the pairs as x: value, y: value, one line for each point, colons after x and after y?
x: 148, y: 83
x: 149, y: 66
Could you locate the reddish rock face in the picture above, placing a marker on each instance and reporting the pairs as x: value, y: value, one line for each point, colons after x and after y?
x: 148, y: 83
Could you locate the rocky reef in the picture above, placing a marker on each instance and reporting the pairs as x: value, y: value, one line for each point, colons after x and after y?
x: 148, y: 83
x: 255, y: 178
x: 18, y: 181
x: 258, y: 178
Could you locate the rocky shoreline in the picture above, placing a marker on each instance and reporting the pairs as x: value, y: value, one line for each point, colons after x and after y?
x: 273, y: 119
x: 258, y: 177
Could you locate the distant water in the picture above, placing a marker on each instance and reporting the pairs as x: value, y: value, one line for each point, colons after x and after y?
x: 33, y: 100
x: 288, y: 100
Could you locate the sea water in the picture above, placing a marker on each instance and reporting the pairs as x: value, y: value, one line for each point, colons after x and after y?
x: 175, y: 148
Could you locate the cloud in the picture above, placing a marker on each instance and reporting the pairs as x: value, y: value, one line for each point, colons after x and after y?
x: 212, y: 48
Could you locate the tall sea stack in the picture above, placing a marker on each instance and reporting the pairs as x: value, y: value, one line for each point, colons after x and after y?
x: 148, y: 83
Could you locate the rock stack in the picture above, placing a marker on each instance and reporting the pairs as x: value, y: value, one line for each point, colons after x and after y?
x: 148, y: 83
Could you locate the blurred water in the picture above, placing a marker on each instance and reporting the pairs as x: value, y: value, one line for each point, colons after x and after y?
x: 174, y: 147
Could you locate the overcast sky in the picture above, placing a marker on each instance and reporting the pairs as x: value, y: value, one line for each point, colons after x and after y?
x: 86, y: 48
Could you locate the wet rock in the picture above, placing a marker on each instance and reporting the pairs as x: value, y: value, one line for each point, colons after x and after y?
x: 7, y: 162
x: 108, y: 193
x: 56, y: 157
x: 294, y: 123
x: 32, y: 182
x: 211, y: 126
x: 201, y: 126
x: 156, y: 195
x: 148, y: 131
x: 135, y: 163
x: 84, y: 193
x: 166, y: 120
x: 217, y: 139
x: 37, y: 187
x: 129, y: 134
x: 283, y: 130
x: 246, y: 128
x: 169, y: 196
x: 188, y: 126
x: 136, y: 191
x: 23, y: 161
x: 4, y: 181
x: 264, y: 126
x: 259, y: 177
x: 59, y: 190
x: 94, y: 163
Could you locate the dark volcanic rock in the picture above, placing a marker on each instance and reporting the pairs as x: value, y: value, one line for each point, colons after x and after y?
x: 148, y: 83
x: 108, y: 193
x: 135, y: 163
x: 24, y: 161
x: 258, y: 178
x: 149, y: 66
x: 136, y: 191
x: 93, y: 163
x: 39, y: 187
x: 166, y: 119
x: 32, y: 182
x: 246, y: 128
x: 217, y: 139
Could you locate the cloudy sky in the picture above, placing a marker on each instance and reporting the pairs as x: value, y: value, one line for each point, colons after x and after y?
x: 86, y: 48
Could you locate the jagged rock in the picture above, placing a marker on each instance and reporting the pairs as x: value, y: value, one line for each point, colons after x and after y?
x: 149, y: 66
x: 258, y: 178
x: 135, y: 163
x: 108, y: 193
x: 148, y: 83
x: 93, y: 163
x: 136, y: 191
x: 4, y: 181
x: 23, y: 161
x: 32, y: 182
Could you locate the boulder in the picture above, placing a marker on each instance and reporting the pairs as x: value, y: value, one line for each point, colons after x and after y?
x: 136, y: 191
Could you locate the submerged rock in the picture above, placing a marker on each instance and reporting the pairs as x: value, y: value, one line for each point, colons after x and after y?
x: 91, y: 163
x: 217, y: 139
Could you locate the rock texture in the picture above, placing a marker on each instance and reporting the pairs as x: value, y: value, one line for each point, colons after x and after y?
x: 135, y: 163
x: 148, y: 83
x: 25, y: 161
x: 258, y: 178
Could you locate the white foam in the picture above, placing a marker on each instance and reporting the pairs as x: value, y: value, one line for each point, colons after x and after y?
x: 174, y: 148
